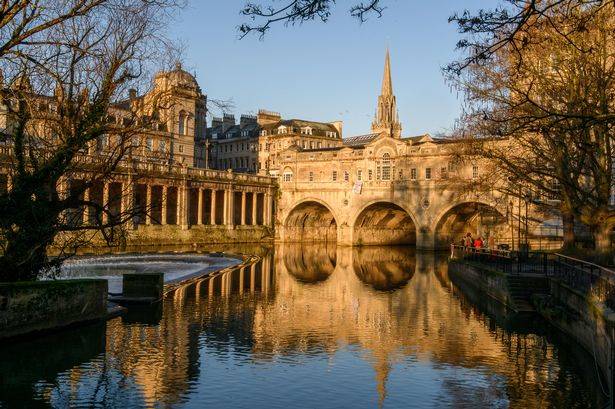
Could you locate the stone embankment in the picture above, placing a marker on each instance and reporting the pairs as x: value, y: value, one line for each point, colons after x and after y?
x: 578, y: 314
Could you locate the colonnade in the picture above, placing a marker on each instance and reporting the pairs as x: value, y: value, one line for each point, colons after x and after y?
x: 183, y: 204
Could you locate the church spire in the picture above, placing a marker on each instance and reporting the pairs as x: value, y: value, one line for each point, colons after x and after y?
x: 387, y: 83
x: 387, y: 120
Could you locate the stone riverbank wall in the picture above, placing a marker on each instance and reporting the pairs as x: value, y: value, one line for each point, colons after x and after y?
x: 27, y: 307
x: 490, y: 282
x: 589, y: 322
x: 581, y: 317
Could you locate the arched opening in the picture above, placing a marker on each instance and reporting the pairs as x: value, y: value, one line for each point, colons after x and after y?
x: 479, y: 219
x: 183, y: 117
x: 310, y: 222
x: 384, y: 223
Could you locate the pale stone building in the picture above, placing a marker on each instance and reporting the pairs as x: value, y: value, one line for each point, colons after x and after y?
x: 254, y: 144
x: 383, y: 188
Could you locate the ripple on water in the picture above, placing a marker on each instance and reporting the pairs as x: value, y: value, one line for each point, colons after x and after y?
x: 361, y: 333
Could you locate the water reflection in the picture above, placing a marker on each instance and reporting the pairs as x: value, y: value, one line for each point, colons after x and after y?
x: 307, y: 327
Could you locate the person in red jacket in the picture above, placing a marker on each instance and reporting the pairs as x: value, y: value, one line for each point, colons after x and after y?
x: 478, y: 243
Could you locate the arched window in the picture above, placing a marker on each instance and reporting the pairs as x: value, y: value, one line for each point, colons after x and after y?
x: 386, y: 166
x: 288, y: 176
x: 182, y: 123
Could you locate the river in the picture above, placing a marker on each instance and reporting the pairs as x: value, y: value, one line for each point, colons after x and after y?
x: 308, y: 327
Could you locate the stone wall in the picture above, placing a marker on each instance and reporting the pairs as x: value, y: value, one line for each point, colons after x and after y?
x: 170, y: 234
x: 492, y: 283
x: 587, y: 321
x: 26, y: 307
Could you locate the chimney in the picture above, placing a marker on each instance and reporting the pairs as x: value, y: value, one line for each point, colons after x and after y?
x: 216, y: 121
x: 246, y: 120
x: 268, y: 117
x: 228, y: 120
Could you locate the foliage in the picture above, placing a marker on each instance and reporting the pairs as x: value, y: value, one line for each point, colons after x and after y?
x: 540, y: 91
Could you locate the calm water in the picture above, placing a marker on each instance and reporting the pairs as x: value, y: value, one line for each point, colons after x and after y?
x: 308, y: 327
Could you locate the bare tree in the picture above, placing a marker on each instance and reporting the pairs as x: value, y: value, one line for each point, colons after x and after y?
x: 68, y: 127
x: 540, y: 108
x: 264, y: 14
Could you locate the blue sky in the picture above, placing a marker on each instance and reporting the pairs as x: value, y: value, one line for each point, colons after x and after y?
x: 332, y: 71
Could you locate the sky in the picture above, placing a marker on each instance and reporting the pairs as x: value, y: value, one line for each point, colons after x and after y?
x: 329, y: 71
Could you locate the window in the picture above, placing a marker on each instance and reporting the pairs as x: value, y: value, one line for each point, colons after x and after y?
x: 474, y: 171
x: 182, y: 123
x: 288, y: 176
x: 443, y: 173
x: 150, y: 144
x: 386, y: 166
x: 370, y: 174
x: 401, y: 174
x: 311, y: 177
x: 263, y: 133
x: 334, y: 175
x: 181, y: 148
x: 428, y: 173
x: 306, y: 130
x: 359, y: 174
x: 282, y: 130
x: 162, y: 146
x: 346, y: 176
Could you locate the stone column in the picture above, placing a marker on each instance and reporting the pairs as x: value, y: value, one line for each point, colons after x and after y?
x: 178, y: 206
x: 199, y: 212
x: 148, y: 204
x: 128, y: 197
x: 185, y: 208
x: 229, y: 206
x: 213, y: 207
x: 163, y: 210
x: 86, y: 209
x: 254, y: 203
x: 243, y: 208
x: 268, y: 208
x: 105, y: 203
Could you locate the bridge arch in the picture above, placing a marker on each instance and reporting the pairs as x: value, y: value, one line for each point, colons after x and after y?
x: 311, y: 220
x: 476, y: 217
x: 384, y: 223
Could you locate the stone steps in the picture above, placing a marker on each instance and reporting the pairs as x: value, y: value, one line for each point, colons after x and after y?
x: 522, y: 288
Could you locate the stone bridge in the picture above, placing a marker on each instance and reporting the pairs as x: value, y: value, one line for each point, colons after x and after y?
x: 376, y: 213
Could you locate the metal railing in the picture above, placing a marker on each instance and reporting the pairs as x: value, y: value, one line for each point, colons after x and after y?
x: 590, y: 279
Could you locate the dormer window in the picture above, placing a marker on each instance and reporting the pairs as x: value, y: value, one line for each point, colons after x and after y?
x: 245, y: 133
x: 330, y: 134
x: 282, y: 130
x: 306, y: 130
x: 264, y: 132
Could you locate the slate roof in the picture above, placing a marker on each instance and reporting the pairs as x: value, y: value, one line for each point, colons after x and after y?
x: 360, y: 140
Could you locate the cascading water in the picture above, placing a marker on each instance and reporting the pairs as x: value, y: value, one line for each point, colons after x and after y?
x: 176, y: 267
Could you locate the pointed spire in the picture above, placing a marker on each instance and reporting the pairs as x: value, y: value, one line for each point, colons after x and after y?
x: 387, y: 83
x: 387, y: 119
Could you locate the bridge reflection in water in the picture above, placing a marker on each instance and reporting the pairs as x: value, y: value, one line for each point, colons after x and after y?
x: 308, y: 326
